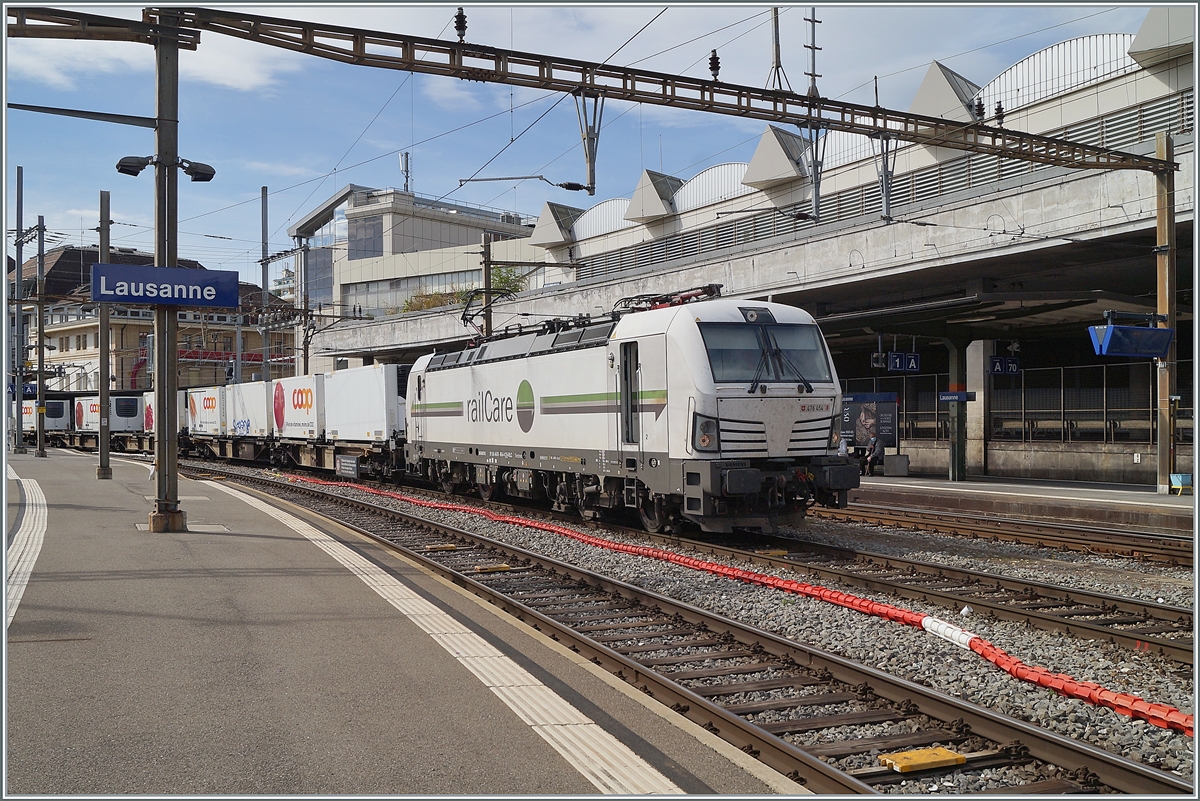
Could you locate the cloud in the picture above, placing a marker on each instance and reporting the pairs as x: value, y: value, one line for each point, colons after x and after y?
x: 218, y: 60
x: 278, y: 168
x: 60, y: 63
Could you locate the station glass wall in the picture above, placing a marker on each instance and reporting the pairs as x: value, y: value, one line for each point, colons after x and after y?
x: 1095, y: 403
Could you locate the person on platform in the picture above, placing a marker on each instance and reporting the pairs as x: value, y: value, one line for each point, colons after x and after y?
x: 874, y: 456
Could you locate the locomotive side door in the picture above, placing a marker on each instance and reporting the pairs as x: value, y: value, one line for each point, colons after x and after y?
x: 629, y: 423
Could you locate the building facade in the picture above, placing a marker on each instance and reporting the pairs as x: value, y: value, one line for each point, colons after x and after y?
x: 208, y: 339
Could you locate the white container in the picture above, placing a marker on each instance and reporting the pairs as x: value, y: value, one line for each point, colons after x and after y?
x: 248, y: 409
x: 148, y: 415
x: 58, y: 415
x: 298, y: 406
x: 364, y: 404
x: 124, y: 414
x: 206, y: 411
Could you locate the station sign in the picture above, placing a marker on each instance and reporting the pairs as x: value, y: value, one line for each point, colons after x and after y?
x: 1004, y: 365
x: 955, y: 397
x: 899, y: 362
x: 135, y: 284
x: 1131, y: 341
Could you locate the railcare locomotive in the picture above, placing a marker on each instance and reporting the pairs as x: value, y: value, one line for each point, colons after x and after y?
x: 722, y: 413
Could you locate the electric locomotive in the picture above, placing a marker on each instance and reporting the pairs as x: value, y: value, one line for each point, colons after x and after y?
x: 721, y: 412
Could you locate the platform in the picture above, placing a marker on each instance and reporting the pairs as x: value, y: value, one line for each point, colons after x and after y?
x: 267, y: 652
x: 1132, y: 506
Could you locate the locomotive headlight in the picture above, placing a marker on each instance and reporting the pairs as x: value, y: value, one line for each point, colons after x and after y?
x: 705, y: 436
x: 834, y: 435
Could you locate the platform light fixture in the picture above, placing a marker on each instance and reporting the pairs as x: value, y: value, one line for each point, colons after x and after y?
x: 198, y: 171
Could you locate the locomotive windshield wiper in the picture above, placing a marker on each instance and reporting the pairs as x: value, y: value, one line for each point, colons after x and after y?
x: 783, y: 359
x: 762, y: 362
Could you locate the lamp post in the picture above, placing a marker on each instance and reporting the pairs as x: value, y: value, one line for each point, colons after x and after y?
x: 167, y: 516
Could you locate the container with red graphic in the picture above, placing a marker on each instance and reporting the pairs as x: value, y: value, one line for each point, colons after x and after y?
x: 302, y: 399
x: 206, y: 411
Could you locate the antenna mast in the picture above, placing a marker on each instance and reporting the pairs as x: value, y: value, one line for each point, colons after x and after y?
x: 814, y: 154
x: 812, y: 48
x: 777, y: 79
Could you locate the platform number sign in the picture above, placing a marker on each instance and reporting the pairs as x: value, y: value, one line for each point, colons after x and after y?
x: 899, y: 362
x: 1005, y: 365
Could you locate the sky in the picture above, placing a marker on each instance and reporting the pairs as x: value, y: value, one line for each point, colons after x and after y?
x: 304, y: 126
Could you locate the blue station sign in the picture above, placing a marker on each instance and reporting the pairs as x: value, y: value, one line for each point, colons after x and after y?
x: 163, y: 286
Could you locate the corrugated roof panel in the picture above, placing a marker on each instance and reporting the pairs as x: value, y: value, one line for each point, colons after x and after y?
x: 603, y: 218
x: 1059, y: 69
x: 717, y: 183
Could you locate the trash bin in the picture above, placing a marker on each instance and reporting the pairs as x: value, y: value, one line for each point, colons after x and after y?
x: 895, y: 464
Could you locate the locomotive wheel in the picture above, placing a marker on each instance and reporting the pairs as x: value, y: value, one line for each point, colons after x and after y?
x: 449, y: 486
x: 488, y: 492
x: 651, y: 513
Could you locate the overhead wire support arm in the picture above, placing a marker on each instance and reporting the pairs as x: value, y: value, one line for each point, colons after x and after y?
x: 53, y: 23
x: 494, y: 65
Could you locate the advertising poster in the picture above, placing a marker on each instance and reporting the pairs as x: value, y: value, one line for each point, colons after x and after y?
x: 869, y: 414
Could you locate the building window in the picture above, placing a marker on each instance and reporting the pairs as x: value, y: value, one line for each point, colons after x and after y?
x: 320, y: 277
x: 364, y: 237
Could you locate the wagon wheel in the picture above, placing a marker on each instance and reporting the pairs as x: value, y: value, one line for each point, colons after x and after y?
x: 651, y: 512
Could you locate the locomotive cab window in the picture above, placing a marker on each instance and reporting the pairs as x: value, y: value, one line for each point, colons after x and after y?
x: 772, y: 353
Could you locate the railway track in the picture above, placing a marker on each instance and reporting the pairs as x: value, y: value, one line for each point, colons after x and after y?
x: 1137, y: 625
x: 1172, y: 548
x: 754, y: 689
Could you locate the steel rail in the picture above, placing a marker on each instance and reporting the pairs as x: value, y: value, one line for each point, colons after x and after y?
x: 1080, y: 538
x: 495, y: 65
x: 1115, y: 771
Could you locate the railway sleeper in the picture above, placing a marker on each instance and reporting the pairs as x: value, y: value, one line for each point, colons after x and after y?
x: 1005, y: 757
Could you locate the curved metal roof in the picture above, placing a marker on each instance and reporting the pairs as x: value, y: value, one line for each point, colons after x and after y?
x: 1059, y: 69
x: 719, y: 182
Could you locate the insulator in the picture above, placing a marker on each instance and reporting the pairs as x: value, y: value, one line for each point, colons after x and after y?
x: 460, y: 25
x: 714, y: 64
x: 999, y: 115
x: 979, y: 109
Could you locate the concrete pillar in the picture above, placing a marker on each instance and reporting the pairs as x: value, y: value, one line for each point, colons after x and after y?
x: 978, y: 359
x: 958, y: 411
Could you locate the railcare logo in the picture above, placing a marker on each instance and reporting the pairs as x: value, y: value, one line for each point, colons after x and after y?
x: 488, y: 408
x: 525, y: 406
